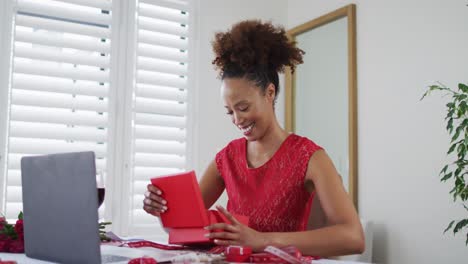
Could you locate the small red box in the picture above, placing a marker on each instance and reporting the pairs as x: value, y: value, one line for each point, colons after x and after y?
x: 238, y: 253
x: 186, y: 215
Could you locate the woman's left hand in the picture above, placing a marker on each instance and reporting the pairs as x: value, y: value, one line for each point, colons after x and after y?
x: 236, y: 233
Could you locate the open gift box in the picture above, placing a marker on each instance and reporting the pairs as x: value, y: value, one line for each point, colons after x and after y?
x: 186, y: 215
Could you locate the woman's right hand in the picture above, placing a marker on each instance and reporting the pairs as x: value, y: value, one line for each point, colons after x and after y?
x: 153, y: 203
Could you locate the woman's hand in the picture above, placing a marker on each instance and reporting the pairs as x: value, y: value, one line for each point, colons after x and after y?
x: 153, y: 203
x: 236, y: 233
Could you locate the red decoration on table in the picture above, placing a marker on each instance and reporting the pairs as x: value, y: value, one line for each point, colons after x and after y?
x: 12, y: 236
x: 284, y: 255
x: 238, y: 253
x: 145, y: 243
x: 143, y: 260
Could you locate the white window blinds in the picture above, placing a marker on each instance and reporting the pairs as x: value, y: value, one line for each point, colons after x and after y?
x: 106, y: 76
x: 59, y: 84
x: 159, y: 120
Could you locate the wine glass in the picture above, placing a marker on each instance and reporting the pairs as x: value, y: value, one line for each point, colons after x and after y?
x: 101, y: 191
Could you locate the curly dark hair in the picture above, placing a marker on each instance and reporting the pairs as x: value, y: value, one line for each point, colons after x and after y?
x: 256, y: 51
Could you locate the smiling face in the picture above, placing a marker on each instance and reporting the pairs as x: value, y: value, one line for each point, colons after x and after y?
x: 250, y: 108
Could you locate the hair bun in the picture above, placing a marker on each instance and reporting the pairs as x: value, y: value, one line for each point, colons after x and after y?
x: 251, y: 45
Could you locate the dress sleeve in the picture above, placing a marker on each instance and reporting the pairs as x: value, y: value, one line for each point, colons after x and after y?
x: 307, y: 148
x: 220, y: 156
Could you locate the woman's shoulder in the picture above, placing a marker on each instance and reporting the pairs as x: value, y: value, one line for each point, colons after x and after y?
x: 227, y: 154
x: 233, y: 145
x: 298, y: 141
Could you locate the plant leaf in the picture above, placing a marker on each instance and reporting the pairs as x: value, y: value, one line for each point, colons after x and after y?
x: 424, y: 95
x: 452, y: 148
x: 461, y: 224
x: 446, y: 177
x: 463, y: 87
x: 457, y: 133
x: 462, y: 107
x: 449, y: 226
x: 9, y: 230
x: 450, y: 125
x: 444, y: 169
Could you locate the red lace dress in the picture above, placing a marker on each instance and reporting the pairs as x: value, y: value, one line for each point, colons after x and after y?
x: 273, y: 195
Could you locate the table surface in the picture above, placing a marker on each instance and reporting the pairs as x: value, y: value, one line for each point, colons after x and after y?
x: 124, y: 254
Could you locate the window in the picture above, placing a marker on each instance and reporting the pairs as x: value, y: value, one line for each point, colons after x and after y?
x: 159, y: 107
x: 107, y: 76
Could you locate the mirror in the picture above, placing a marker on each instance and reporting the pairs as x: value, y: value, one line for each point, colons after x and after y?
x: 321, y: 94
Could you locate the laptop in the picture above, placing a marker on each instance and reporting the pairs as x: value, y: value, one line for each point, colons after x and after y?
x: 60, y: 208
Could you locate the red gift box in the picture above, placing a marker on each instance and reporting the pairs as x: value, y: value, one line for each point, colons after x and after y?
x: 186, y: 215
x: 238, y: 253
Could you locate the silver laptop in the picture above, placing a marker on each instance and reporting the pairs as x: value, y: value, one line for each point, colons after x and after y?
x: 60, y: 208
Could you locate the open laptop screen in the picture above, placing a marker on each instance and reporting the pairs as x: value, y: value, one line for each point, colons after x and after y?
x: 60, y: 208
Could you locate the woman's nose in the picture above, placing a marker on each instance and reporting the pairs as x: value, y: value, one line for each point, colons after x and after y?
x: 237, y: 119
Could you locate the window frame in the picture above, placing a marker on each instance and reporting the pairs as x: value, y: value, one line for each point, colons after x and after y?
x: 6, y: 29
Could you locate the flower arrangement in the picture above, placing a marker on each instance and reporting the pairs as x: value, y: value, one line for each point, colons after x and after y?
x: 12, y: 236
x: 102, y: 232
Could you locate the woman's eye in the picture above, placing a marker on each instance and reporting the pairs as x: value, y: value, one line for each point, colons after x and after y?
x: 229, y: 113
x: 244, y: 109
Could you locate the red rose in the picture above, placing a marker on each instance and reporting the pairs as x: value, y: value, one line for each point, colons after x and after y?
x: 3, y: 236
x: 2, y: 222
x: 4, y: 245
x: 19, y: 228
x: 16, y: 246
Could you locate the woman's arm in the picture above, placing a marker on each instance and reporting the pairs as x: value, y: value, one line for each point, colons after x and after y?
x: 344, y: 234
x: 211, y: 185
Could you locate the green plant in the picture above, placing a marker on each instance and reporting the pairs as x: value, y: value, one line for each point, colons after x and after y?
x: 457, y: 127
x: 102, y: 231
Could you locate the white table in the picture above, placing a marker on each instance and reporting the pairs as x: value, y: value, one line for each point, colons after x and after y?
x: 134, y: 253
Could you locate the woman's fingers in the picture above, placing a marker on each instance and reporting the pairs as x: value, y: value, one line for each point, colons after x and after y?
x: 221, y: 242
x: 223, y: 235
x: 153, y: 203
x: 228, y: 215
x: 151, y: 210
x: 222, y: 226
x: 156, y: 198
x: 153, y: 207
x: 229, y: 234
x: 153, y: 189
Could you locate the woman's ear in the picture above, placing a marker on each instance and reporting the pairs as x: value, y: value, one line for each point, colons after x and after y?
x: 270, y: 92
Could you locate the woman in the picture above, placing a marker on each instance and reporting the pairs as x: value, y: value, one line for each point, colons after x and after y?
x: 270, y: 175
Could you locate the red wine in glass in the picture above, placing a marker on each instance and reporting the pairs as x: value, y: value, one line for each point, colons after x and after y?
x: 100, y: 187
x: 101, y: 192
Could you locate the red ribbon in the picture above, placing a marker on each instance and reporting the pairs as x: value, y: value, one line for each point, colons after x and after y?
x: 139, y: 244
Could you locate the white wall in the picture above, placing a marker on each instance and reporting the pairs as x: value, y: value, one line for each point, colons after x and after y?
x: 403, y: 46
x: 214, y: 127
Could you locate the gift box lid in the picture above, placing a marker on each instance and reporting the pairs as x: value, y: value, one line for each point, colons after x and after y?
x: 185, y: 236
x: 184, y: 201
